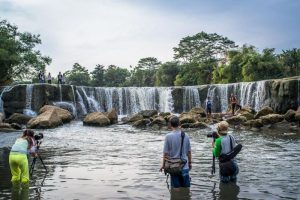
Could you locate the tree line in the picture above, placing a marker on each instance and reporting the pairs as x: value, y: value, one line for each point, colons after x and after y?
x: 203, y: 58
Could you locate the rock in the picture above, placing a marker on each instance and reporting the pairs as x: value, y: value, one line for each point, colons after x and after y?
x: 200, y: 125
x: 112, y: 116
x: 135, y: 117
x: 2, y: 117
x: 271, y: 118
x: 245, y: 109
x: 164, y: 114
x: 187, y: 118
x: 255, y: 123
x: 236, y: 120
x: 16, y: 126
x: 5, y: 125
x: 148, y: 113
x: 18, y: 118
x: 63, y: 114
x: 198, y: 110
x: 248, y: 115
x: 264, y: 111
x: 290, y: 115
x: 159, y: 121
x: 96, y: 119
x: 48, y: 119
x: 186, y: 125
x: 125, y: 120
x: 141, y: 123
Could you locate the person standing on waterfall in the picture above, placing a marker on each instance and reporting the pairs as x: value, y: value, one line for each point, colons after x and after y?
x: 18, y: 157
x: 208, y: 106
x: 172, y: 150
x: 223, y: 145
x: 49, y: 78
x: 233, y: 102
x: 59, y: 78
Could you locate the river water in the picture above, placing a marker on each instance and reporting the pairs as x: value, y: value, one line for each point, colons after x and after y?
x: 121, y: 162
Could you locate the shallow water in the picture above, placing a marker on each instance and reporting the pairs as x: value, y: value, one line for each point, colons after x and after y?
x: 120, y: 162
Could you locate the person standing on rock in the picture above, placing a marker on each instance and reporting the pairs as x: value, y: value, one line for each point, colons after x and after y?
x: 223, y: 145
x: 40, y: 77
x: 49, y: 78
x: 176, y: 148
x: 233, y: 102
x: 208, y: 106
x: 18, y: 157
x: 59, y: 78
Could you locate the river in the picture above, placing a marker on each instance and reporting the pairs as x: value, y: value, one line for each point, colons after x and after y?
x: 121, y: 162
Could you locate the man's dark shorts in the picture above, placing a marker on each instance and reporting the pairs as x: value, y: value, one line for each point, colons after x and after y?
x: 181, y: 180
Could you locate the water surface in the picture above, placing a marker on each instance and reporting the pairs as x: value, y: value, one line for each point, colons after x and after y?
x: 120, y: 162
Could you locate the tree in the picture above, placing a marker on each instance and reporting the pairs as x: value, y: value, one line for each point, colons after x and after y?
x: 18, y: 57
x: 144, y: 73
x: 189, y: 75
x: 166, y: 74
x: 98, y: 76
x: 290, y: 60
x: 202, y: 47
x: 115, y: 76
x: 79, y: 75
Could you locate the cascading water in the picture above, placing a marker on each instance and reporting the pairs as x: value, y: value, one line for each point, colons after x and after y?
x: 28, y: 110
x: 191, y: 98
x: 223, y: 97
x: 166, y: 103
x: 6, y: 89
x: 81, y: 103
x: 260, y: 95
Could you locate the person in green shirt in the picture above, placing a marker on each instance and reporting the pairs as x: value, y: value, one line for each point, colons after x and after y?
x: 223, y: 145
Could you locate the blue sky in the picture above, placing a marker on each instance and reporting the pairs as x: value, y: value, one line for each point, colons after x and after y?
x: 123, y: 31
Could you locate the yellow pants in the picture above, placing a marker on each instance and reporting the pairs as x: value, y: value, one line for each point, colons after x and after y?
x: 19, y: 167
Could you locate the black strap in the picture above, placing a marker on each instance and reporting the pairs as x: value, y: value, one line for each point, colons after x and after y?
x: 182, y: 138
x: 231, y: 142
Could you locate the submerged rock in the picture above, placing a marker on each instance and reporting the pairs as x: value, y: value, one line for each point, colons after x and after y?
x: 271, y: 119
x: 290, y: 115
x: 47, y: 119
x: 148, y: 113
x: 141, y: 123
x: 96, y: 119
x: 112, y: 116
x: 264, y: 111
x: 18, y: 118
x: 236, y: 120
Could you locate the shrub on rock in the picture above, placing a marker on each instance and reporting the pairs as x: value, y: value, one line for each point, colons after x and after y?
x: 96, y: 119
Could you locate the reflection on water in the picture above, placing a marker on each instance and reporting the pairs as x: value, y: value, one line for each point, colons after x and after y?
x: 120, y: 162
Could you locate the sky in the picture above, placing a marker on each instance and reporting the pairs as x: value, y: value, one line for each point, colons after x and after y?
x: 121, y: 32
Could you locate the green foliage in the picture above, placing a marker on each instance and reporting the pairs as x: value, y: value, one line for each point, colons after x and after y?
x: 18, y: 57
x: 115, y: 76
x: 202, y: 47
x: 290, y: 60
x: 144, y: 73
x: 79, y: 75
x: 98, y: 76
x: 166, y: 74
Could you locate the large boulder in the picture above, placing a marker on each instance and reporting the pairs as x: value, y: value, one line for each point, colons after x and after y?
x: 164, y: 114
x: 199, y: 111
x: 290, y: 115
x: 249, y: 116
x: 187, y: 118
x: 200, y: 125
x: 245, y: 109
x: 112, y: 116
x: 271, y: 118
x: 47, y: 119
x: 16, y: 126
x: 264, y: 111
x: 255, y: 123
x: 297, y: 115
x: 96, y: 119
x: 141, y: 123
x: 236, y: 120
x: 18, y: 118
x: 160, y: 121
x: 4, y: 127
x: 148, y: 113
x: 135, y: 118
x: 63, y: 114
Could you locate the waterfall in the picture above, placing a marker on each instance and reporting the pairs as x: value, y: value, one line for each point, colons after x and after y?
x: 81, y: 103
x: 246, y: 89
x: 260, y: 95
x: 223, y: 98
x: 166, y: 100
x: 298, y: 92
x: 74, y: 100
x: 60, y: 93
x: 191, y: 98
x: 28, y: 110
x: 93, y: 105
x: 6, y: 89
